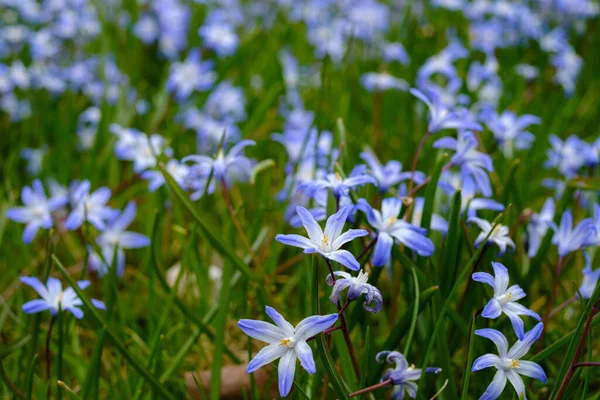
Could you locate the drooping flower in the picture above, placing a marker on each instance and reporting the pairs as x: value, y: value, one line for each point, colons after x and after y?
x: 402, y: 375
x: 37, y: 209
x: 389, y: 174
x: 357, y: 286
x: 326, y: 243
x: 505, y: 299
x: 538, y: 226
x: 508, y: 363
x: 286, y: 342
x: 569, y: 239
x: 390, y: 228
x: 590, y: 278
x: 441, y: 117
x: 499, y: 234
x: 115, y: 239
x: 89, y: 207
x: 54, y: 297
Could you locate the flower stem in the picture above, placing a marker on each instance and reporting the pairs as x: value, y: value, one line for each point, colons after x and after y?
x: 559, y: 268
x: 48, y: 361
x: 367, y: 248
x: 330, y: 270
x: 416, y: 159
x: 371, y: 388
x: 587, y: 364
x: 574, y: 363
x: 13, y: 388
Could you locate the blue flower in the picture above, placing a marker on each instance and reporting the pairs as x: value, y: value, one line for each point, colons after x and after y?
x: 389, y: 174
x: 472, y: 163
x: 508, y: 363
x: 190, y: 75
x: 339, y: 186
x: 509, y: 131
x: 594, y: 237
x: 538, y: 226
x: 177, y: 170
x: 390, y: 228
x: 379, y: 82
x: 286, y: 342
x: 395, y: 52
x: 89, y: 207
x: 219, y: 37
x: 441, y: 117
x: 37, y: 210
x: 504, y: 300
x: 402, y: 374
x: 325, y: 243
x: 357, y: 286
x: 226, y: 168
x: 115, y: 238
x: 567, y: 156
x: 499, y: 234
x: 53, y: 297
x: 568, y: 239
x: 590, y: 278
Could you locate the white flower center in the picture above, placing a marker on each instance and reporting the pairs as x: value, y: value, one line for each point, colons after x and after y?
x: 508, y: 363
x: 289, y: 342
x: 325, y: 243
x: 362, y: 277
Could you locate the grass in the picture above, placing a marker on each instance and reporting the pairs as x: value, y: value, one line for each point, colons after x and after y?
x: 155, y: 330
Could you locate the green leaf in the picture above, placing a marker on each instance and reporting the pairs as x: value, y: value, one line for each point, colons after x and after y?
x: 467, y: 377
x: 5, y: 351
x: 30, y: 376
x: 91, y: 310
x: 342, y: 142
x: 334, y: 377
x: 70, y: 392
x: 440, y: 319
x: 431, y: 191
x: 260, y: 167
x: 448, y: 266
x: 367, y: 358
x: 588, y: 183
x: 415, y: 315
x: 223, y: 248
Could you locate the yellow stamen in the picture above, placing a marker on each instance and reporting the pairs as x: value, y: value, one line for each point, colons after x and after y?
x: 325, y: 240
x: 285, y: 342
x: 514, y: 363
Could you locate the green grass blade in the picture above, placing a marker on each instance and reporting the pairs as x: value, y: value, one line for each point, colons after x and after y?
x: 449, y: 265
x: 467, y: 377
x: 70, y: 392
x: 415, y: 315
x: 223, y: 248
x: 431, y: 191
x: 134, y: 362
x: 30, y: 377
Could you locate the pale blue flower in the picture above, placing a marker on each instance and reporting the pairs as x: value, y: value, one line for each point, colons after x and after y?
x: 190, y: 75
x: 508, y: 363
x: 179, y: 172
x: 567, y: 156
x: 357, y: 286
x: 569, y: 239
x: 382, y: 81
x: 286, y: 342
x: 54, y: 297
x: 402, y: 375
x: 219, y: 37
x: 441, y: 117
x: 326, y: 243
x: 504, y: 300
x: 115, y: 239
x: 395, y: 52
x: 538, y: 226
x: 339, y: 186
x: 389, y: 174
x: 499, y: 234
x: 509, y: 131
x: 225, y: 167
x: 594, y: 237
x: 37, y: 209
x: 89, y: 207
x: 390, y: 228
x: 590, y: 278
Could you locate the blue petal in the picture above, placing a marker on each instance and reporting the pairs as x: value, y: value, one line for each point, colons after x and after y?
x: 345, y: 258
x: 35, y: 306
x: 383, y: 248
x: 287, y: 367
x: 486, y: 361
x: 261, y: 330
x: 279, y: 320
x: 495, y: 336
x: 485, y: 278
x: 295, y: 240
x: 315, y: 233
x: 519, y: 349
x: 532, y: 370
x: 494, y: 390
x: 492, y: 309
x: 335, y: 223
x: 305, y: 355
x: 36, y: 284
x: 313, y: 325
x: 265, y: 356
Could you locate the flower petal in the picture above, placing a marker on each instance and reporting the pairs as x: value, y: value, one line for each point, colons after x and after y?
x: 345, y: 258
x: 382, y: 250
x: 486, y: 361
x: 521, y: 348
x: 492, y: 309
x: 517, y: 382
x: 500, y: 277
x: 36, y: 306
x: 315, y: 233
x: 313, y: 325
x: 532, y: 370
x: 495, y: 336
x: 494, y: 390
x: 335, y: 224
x: 347, y: 236
x: 295, y: 240
x: 287, y: 367
x: 266, y: 355
x: 485, y: 278
x: 36, y: 284
x: 287, y: 328
x: 261, y: 330
x: 305, y: 355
